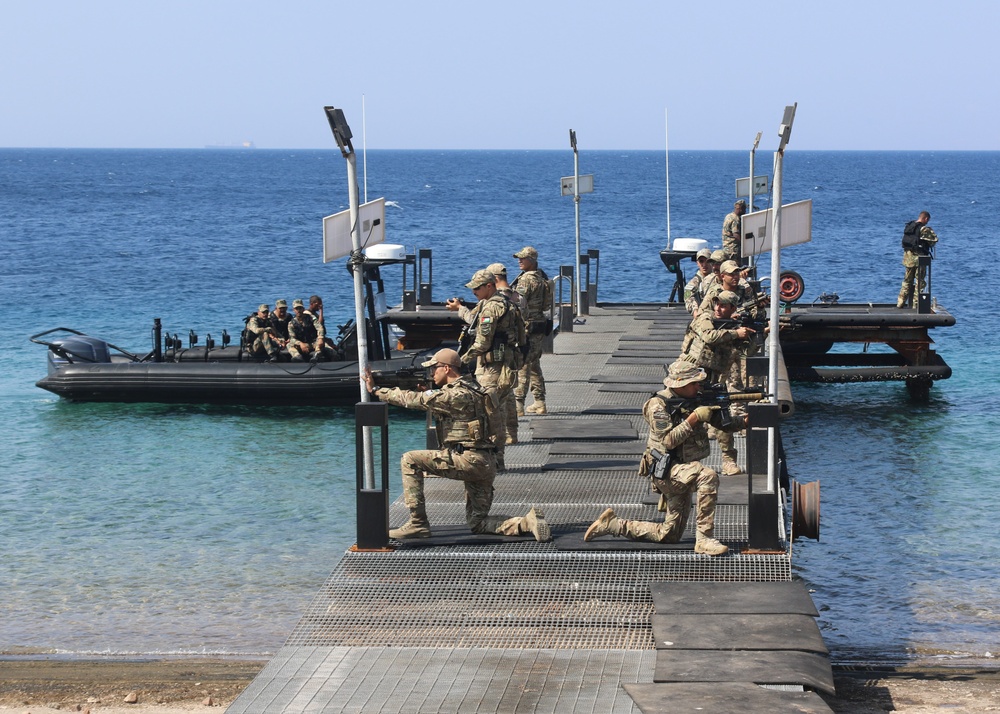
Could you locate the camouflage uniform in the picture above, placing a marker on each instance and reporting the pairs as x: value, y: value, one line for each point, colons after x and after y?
x: 693, y: 294
x: 508, y: 406
x: 670, y: 431
x: 718, y: 351
x: 495, y: 350
x: 709, y: 347
x: 731, y: 233
x: 913, y: 273
x: 534, y: 289
x: 259, y: 340
x: 279, y: 323
x: 303, y: 332
x: 466, y: 453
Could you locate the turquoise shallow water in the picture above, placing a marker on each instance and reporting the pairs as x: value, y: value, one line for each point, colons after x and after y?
x: 148, y: 529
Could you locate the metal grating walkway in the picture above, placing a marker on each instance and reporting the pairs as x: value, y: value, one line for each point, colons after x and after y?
x: 515, y: 626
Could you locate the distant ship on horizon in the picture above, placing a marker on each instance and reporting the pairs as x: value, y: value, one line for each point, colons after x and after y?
x: 235, y: 145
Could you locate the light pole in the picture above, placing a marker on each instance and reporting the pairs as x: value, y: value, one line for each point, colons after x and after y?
x: 342, y: 134
x: 784, y: 134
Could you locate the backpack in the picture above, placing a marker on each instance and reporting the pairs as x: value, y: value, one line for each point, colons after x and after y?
x: 911, y: 235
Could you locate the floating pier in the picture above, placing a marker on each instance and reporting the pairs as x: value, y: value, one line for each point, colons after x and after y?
x: 467, y: 623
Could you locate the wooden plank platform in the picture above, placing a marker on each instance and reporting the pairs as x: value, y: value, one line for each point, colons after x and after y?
x: 508, y: 624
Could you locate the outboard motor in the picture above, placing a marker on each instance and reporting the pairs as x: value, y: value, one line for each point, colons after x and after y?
x: 80, y: 348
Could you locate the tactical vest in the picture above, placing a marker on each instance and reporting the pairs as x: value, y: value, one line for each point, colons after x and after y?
x: 304, y: 331
x: 474, y: 427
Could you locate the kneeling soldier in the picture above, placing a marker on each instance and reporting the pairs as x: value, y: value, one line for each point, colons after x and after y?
x: 465, y: 432
x: 676, y: 430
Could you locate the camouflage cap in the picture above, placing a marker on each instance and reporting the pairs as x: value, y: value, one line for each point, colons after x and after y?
x: 497, y: 269
x: 683, y: 372
x: 263, y: 307
x: 739, y: 203
x: 480, y: 278
x: 280, y: 303
x: 445, y: 356
x: 718, y: 256
x: 297, y: 303
x: 527, y: 252
x: 703, y: 253
x: 730, y: 266
x: 727, y: 297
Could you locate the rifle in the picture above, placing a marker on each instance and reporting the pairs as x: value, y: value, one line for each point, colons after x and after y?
x: 715, y: 396
x: 414, y: 377
x: 745, y: 319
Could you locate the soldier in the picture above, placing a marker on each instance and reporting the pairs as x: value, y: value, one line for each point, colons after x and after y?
x: 496, y: 333
x: 259, y: 338
x: 730, y: 278
x: 279, y: 322
x: 461, y: 409
x: 715, y: 349
x: 509, y: 405
x: 693, y: 293
x: 731, y: 231
x: 717, y: 259
x: 676, y: 431
x: 918, y: 239
x: 303, y: 337
x: 533, y: 284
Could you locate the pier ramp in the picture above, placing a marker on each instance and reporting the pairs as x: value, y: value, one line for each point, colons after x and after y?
x: 466, y: 623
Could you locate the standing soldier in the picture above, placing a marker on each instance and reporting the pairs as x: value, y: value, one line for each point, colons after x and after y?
x: 509, y: 406
x: 918, y: 239
x: 533, y: 284
x: 494, y: 348
x: 731, y: 231
x: 462, y: 413
x: 694, y: 290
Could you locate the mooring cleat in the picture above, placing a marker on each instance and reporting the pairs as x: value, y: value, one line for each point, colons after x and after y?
x: 602, y: 526
x: 411, y: 530
x: 535, y: 524
x: 710, y: 546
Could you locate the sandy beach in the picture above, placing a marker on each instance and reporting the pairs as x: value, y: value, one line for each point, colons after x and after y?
x: 176, y: 686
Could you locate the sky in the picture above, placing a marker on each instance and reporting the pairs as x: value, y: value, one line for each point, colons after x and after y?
x: 518, y: 74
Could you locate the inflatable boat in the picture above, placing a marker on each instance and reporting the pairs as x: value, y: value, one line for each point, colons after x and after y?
x: 89, y: 369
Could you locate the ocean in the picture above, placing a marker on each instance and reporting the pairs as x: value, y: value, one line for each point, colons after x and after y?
x: 149, y: 530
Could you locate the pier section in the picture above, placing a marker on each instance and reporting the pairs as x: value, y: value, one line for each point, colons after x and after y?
x: 483, y: 623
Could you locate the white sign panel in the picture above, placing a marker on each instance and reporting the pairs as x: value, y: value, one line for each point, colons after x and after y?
x: 586, y: 184
x: 759, y: 186
x: 796, y: 227
x: 337, y: 241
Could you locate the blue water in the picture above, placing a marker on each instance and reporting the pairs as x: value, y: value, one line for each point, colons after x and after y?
x: 149, y: 529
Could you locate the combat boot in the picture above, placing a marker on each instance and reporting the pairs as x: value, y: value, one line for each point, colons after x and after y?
x: 519, y: 407
x: 417, y: 527
x: 606, y: 524
x: 534, y: 523
x: 709, y: 546
x: 730, y: 467
x: 538, y: 407
x: 511, y: 439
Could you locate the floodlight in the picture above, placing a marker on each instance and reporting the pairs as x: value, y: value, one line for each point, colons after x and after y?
x: 341, y: 131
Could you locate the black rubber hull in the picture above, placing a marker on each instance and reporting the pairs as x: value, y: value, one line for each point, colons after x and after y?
x: 323, y: 384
